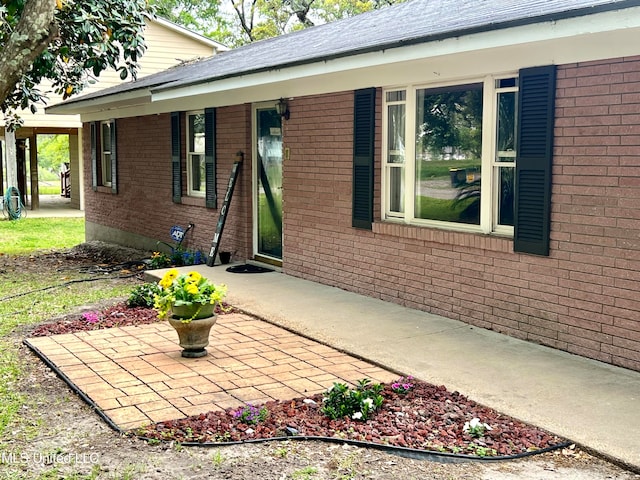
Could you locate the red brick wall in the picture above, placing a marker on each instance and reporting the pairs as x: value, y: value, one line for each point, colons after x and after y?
x: 583, y: 298
x: 144, y: 203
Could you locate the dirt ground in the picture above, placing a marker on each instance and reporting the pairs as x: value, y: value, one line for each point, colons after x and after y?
x: 62, y: 438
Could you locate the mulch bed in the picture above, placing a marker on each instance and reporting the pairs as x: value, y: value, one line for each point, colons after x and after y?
x: 427, y: 417
x: 118, y: 315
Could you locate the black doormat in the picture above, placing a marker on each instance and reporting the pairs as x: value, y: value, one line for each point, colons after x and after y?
x: 248, y: 268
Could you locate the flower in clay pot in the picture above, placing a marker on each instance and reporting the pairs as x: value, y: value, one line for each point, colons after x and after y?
x: 190, y: 289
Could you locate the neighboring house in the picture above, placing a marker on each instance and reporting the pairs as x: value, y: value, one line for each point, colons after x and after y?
x: 167, y: 44
x: 476, y: 160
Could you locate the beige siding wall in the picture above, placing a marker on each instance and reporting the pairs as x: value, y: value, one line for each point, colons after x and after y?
x: 166, y: 48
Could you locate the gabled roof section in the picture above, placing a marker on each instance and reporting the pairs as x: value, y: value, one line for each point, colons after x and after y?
x: 219, y: 47
x: 410, y: 23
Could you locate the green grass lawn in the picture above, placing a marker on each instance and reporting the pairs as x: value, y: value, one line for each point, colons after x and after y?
x: 20, y: 237
x: 28, y: 297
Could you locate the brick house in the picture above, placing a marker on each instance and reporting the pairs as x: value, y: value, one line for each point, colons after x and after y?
x: 483, y: 166
x: 167, y: 44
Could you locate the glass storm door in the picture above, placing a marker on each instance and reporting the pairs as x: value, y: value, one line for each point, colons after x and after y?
x: 269, y: 184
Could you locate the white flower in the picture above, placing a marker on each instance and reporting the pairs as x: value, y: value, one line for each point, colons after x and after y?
x: 475, y: 425
x: 368, y: 401
x: 357, y: 416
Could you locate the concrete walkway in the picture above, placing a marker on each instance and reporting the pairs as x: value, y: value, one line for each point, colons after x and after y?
x: 591, y: 403
x: 54, y: 206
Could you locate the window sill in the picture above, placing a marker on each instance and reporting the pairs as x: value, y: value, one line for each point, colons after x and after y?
x: 103, y: 189
x: 493, y: 242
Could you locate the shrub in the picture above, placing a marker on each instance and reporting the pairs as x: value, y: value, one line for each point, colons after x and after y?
x: 143, y: 295
x: 356, y: 403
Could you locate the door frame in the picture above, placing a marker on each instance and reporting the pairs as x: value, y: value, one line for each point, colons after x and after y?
x: 254, y: 183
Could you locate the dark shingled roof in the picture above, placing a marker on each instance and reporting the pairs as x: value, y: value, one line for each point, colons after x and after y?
x: 413, y: 22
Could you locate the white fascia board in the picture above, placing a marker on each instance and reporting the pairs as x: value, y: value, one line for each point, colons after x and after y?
x: 607, y: 27
x: 93, y: 105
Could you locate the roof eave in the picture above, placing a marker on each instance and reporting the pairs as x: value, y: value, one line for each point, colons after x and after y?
x: 96, y: 104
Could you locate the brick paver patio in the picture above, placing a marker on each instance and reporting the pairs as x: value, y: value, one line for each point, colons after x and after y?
x: 136, y: 375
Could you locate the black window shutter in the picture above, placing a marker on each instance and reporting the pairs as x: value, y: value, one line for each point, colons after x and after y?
x: 211, y: 197
x: 532, y: 223
x: 93, y: 133
x: 363, y: 149
x: 176, y: 151
x: 114, y: 158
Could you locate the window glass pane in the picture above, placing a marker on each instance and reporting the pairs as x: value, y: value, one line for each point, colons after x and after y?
x: 506, y: 82
x: 106, y: 137
x: 197, y: 173
x: 196, y: 132
x: 396, y: 189
x: 506, y: 126
x: 395, y: 140
x: 397, y: 96
x: 505, y: 195
x: 106, y: 169
x: 448, y: 153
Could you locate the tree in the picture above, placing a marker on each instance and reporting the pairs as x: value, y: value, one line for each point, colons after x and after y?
x: 68, y: 42
x: 53, y: 151
x: 237, y: 22
x: 197, y: 15
x: 260, y: 19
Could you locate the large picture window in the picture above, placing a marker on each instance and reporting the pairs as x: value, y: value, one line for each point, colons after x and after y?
x: 196, y: 154
x: 449, y: 155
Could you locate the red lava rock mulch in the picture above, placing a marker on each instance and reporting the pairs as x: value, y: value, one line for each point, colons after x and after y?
x: 426, y: 418
x: 118, y: 315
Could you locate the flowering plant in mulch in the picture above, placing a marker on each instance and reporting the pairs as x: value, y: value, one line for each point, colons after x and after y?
x: 186, y: 289
x: 251, y: 415
x: 118, y: 315
x: 476, y: 428
x: 357, y: 403
x: 402, y: 385
x: 428, y: 418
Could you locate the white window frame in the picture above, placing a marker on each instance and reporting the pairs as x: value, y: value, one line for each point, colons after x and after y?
x: 489, y: 194
x: 190, y: 191
x: 105, y: 155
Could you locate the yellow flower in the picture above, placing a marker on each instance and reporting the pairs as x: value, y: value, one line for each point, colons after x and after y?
x: 168, y: 278
x: 192, y: 288
x: 193, y: 277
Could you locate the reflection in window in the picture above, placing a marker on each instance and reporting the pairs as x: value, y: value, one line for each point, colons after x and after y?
x: 449, y: 153
x: 195, y: 154
x: 395, y: 153
x: 105, y: 139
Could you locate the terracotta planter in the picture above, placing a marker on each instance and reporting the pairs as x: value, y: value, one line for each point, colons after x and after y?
x: 194, y: 335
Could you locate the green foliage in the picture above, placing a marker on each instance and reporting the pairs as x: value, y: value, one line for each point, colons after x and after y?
x: 92, y: 36
x: 143, y: 295
x: 441, y: 209
x: 254, y: 20
x: 159, y: 260
x: 251, y: 415
x: 357, y: 403
x: 53, y: 151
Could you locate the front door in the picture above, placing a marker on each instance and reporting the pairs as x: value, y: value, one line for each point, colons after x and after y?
x: 268, y: 194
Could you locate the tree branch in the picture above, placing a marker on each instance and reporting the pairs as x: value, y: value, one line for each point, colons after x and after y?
x: 34, y: 31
